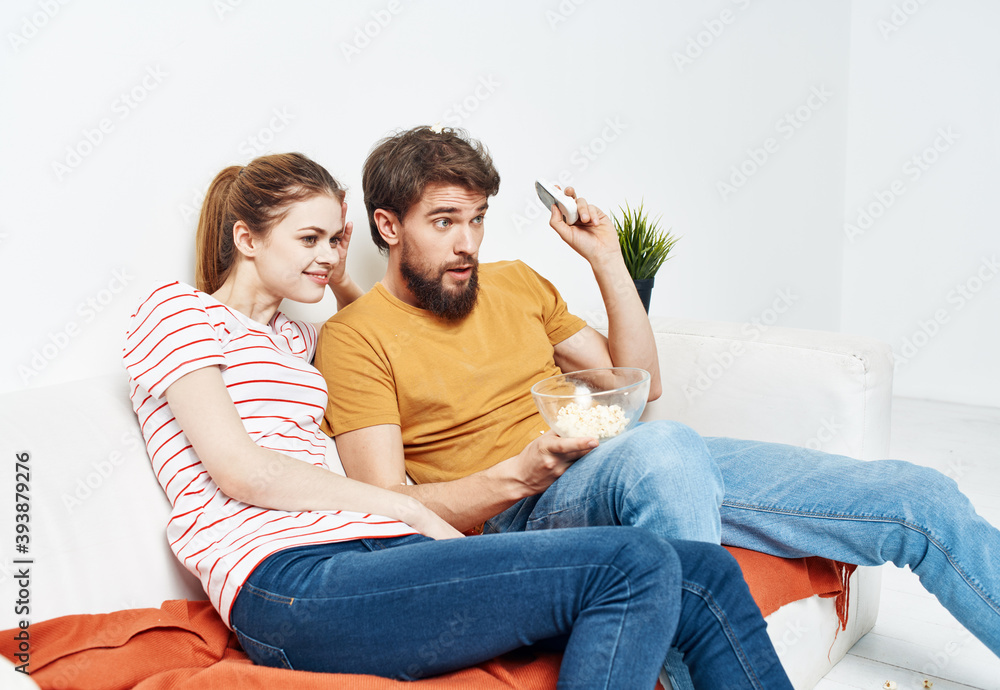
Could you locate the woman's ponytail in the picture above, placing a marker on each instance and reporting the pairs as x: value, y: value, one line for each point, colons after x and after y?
x: 214, y: 242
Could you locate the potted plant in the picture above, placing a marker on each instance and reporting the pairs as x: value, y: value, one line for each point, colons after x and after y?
x: 644, y: 246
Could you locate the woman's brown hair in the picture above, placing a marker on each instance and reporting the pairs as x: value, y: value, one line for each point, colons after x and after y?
x: 259, y: 194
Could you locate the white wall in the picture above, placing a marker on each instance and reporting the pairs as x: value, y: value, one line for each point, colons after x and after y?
x: 922, y: 157
x: 632, y: 100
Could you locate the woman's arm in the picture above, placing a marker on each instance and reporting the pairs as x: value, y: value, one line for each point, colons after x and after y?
x: 346, y: 292
x: 257, y: 476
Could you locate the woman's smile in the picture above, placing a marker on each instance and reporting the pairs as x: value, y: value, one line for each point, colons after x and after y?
x: 318, y: 277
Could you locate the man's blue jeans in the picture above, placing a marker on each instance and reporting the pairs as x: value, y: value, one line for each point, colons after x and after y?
x: 413, y: 607
x: 786, y: 501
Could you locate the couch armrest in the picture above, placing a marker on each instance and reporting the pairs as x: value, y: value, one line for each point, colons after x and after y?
x: 817, y: 389
x: 822, y: 390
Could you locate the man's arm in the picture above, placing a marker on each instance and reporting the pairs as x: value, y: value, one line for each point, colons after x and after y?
x: 363, y: 393
x: 630, y: 341
x: 374, y: 455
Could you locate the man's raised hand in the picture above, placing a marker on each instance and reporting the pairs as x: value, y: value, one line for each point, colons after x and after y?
x: 593, y: 236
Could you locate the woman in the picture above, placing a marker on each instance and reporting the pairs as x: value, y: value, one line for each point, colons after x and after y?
x: 317, y: 572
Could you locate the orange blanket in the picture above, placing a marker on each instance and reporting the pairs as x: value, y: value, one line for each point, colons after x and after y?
x: 184, y: 644
x: 774, y: 582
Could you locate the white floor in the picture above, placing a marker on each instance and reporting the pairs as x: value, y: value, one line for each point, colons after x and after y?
x: 915, y: 639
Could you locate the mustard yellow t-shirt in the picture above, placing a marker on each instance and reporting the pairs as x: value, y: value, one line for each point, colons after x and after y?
x: 459, y: 391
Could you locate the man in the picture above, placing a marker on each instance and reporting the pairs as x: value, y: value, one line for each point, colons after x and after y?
x: 429, y: 373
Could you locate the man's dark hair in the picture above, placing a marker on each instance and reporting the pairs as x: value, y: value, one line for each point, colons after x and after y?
x: 401, y: 166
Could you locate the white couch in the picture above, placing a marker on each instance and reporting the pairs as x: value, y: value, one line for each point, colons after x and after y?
x: 97, y: 513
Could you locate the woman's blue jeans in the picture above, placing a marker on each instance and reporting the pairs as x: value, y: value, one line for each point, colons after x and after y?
x: 786, y: 501
x: 411, y: 607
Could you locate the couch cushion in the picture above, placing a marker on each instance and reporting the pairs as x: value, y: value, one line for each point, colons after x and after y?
x: 98, y: 514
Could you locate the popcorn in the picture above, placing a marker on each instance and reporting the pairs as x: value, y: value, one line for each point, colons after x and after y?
x: 599, y: 421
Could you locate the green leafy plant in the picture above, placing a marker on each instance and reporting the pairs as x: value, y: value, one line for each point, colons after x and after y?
x: 644, y: 246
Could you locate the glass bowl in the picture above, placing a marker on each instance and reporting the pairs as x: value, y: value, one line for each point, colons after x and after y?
x: 593, y: 403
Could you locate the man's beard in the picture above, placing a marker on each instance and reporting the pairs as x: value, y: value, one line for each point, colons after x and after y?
x: 430, y: 292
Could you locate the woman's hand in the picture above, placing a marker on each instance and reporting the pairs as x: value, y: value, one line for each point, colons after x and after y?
x: 430, y: 524
x: 339, y: 273
x: 345, y: 289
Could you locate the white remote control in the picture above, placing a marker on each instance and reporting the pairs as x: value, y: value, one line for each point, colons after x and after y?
x: 550, y: 194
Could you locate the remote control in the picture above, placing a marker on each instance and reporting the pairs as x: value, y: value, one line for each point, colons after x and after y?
x: 550, y: 194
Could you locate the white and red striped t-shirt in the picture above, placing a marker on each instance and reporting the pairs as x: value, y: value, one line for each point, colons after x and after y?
x: 280, y: 397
